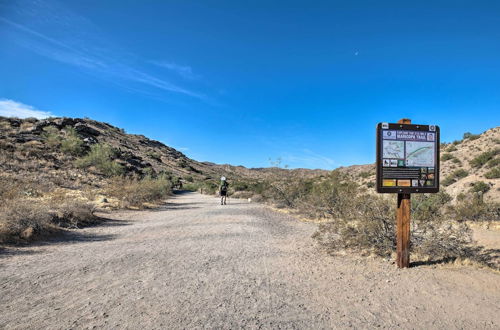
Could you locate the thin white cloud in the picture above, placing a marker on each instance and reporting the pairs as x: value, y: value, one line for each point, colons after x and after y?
x: 11, y: 108
x: 76, y: 41
x: 182, y: 70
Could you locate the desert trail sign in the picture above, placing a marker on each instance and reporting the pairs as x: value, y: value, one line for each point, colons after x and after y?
x: 407, y: 162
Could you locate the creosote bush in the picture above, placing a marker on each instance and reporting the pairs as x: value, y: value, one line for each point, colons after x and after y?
x: 480, y: 187
x: 454, y: 177
x: 101, y: 156
x: 472, y: 207
x: 367, y: 226
x: 135, y: 192
x: 494, y: 173
x: 51, y: 136
x: 71, y: 143
x: 446, y: 156
x: 484, y: 158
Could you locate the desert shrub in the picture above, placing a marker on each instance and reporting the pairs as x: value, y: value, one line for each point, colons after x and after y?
x: 428, y: 206
x: 454, y: 177
x: 209, y: 187
x: 494, y: 173
x: 451, y: 148
x: 480, y: 187
x: 446, y: 156
x: 72, y: 144
x: 136, y: 192
x: 155, y: 155
x: 51, y: 136
x: 369, y: 227
x: 493, y: 162
x: 474, y: 208
x: 471, y: 136
x: 24, y: 219
x: 365, y: 174
x: 74, y: 213
x: 101, y: 157
x: 366, y: 224
x: 456, y: 161
x: 191, y: 186
x: 483, y: 158
x: 370, y: 184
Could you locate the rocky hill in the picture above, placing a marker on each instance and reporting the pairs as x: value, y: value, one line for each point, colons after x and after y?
x: 48, y: 151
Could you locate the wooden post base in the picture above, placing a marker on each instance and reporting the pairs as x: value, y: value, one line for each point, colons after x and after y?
x: 403, y: 231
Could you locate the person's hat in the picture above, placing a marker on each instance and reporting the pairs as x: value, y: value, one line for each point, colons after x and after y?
x: 223, y: 178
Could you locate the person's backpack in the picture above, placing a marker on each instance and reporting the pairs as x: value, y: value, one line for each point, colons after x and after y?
x: 223, y: 186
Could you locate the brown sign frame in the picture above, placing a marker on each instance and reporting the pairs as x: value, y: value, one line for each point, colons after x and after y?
x: 379, y: 160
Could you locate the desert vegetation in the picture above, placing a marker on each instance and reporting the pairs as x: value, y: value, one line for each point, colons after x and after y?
x: 56, y: 172
x: 352, y: 218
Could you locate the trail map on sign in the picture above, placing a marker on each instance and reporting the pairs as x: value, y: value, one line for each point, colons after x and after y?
x: 419, y: 153
x: 393, y: 149
x: 407, y: 158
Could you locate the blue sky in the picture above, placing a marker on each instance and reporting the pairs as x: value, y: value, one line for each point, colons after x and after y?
x: 241, y: 82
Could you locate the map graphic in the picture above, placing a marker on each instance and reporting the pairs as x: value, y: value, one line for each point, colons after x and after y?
x: 393, y: 149
x: 420, y: 154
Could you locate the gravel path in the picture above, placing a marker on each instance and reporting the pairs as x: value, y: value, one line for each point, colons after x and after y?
x: 196, y: 264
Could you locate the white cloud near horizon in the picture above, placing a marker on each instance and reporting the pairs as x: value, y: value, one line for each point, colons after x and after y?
x: 11, y: 108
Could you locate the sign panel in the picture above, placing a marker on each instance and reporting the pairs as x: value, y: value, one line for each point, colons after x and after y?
x: 407, y: 158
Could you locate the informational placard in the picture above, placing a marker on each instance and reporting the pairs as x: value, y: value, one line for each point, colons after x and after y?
x: 407, y: 158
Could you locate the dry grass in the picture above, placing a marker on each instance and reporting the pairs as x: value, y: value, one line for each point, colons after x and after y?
x: 26, y: 219
x: 137, y: 192
x: 30, y: 210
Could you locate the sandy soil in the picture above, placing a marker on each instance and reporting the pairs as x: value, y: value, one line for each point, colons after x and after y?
x: 194, y: 264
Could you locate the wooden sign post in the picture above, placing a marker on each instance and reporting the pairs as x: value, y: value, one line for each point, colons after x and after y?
x: 407, y: 162
x: 403, y: 224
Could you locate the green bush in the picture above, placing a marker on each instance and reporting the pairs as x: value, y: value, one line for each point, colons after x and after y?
x: 428, y: 206
x: 101, y: 157
x: 471, y: 136
x: 364, y: 175
x: 494, y: 173
x: 454, y: 177
x: 473, y: 208
x: 446, y: 156
x: 367, y: 225
x: 480, y: 187
x: 136, y: 192
x: 493, y: 162
x: 451, y: 148
x: 51, y: 136
x: 72, y: 144
x: 483, y: 158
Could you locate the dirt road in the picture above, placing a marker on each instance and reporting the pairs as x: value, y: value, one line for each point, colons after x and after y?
x: 195, y: 264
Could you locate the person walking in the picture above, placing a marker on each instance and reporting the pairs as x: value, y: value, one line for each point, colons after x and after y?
x: 224, y: 185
